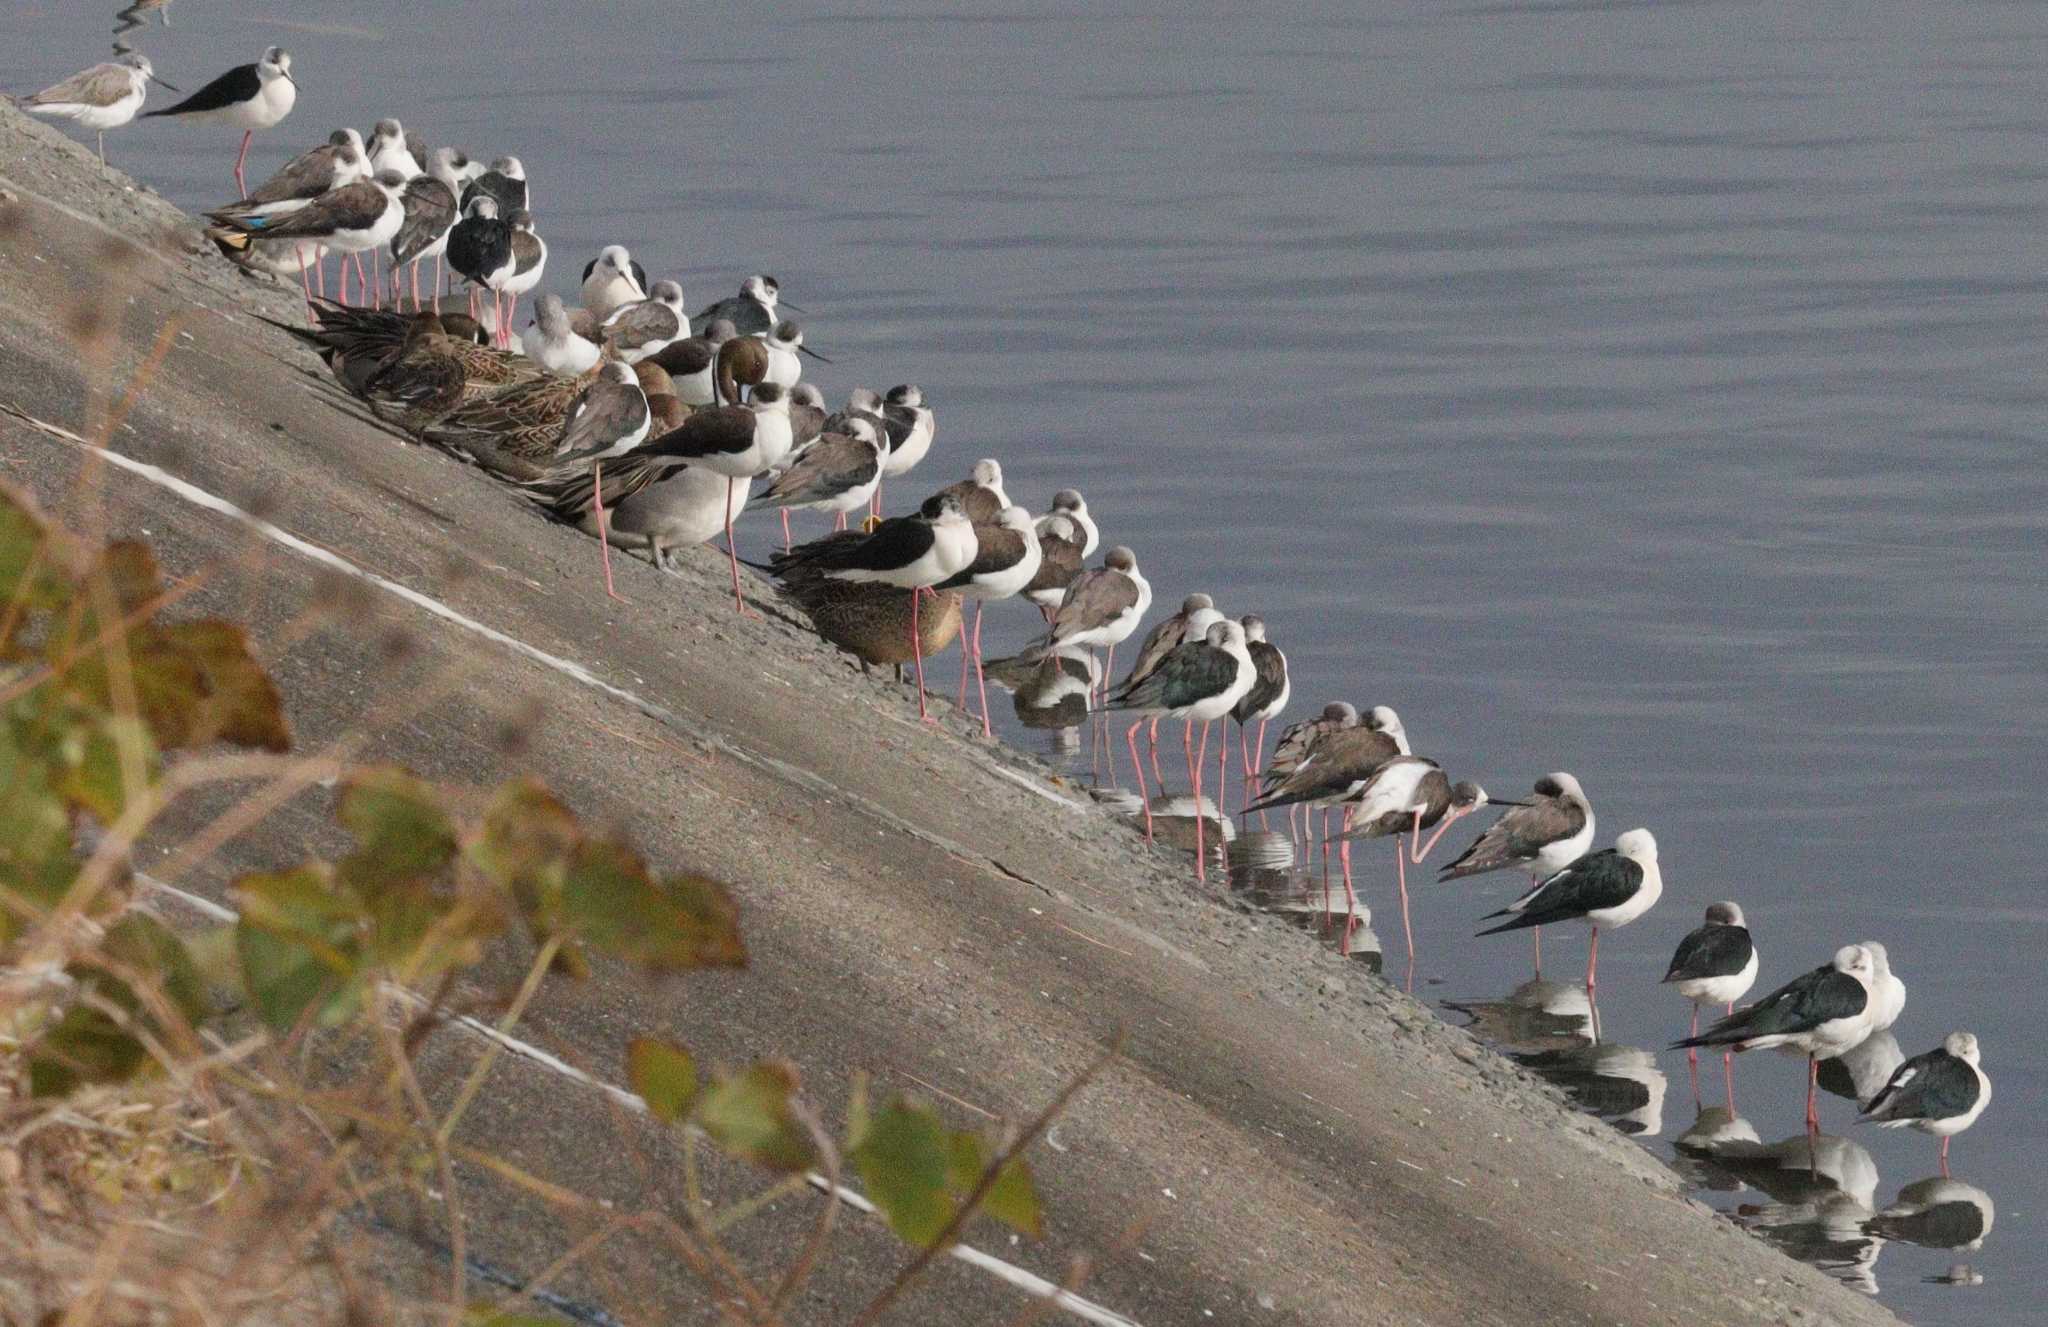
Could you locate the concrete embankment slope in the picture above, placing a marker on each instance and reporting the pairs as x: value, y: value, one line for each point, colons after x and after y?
x: 1284, y: 1140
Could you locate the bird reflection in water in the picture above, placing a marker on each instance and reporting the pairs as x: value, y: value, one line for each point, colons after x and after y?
x: 1264, y: 871
x: 1938, y: 1213
x: 1821, y: 1190
x: 1553, y: 1030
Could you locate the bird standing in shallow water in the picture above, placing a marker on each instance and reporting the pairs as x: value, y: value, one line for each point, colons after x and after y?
x: 1715, y: 964
x: 249, y: 97
x: 1005, y: 559
x: 1819, y: 1014
x: 1940, y: 1093
x: 1608, y: 888
x: 1198, y: 681
x: 1407, y: 795
x: 1551, y: 831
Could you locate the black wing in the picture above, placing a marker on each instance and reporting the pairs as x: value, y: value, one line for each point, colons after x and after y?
x: 237, y: 85
x: 1272, y: 670
x: 726, y: 430
x: 1715, y: 950
x: 1191, y: 671
x: 1934, y: 1086
x: 896, y: 542
x: 1800, y: 1005
x: 479, y: 246
x: 1603, y: 879
x: 997, y: 548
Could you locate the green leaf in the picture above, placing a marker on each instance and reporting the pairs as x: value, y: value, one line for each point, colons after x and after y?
x: 300, y: 943
x: 748, y: 1115
x: 609, y: 901
x: 84, y: 1046
x: 664, y: 1075
x: 904, y: 1157
x: 398, y: 822
x: 146, y: 946
x: 528, y: 837
x: 96, y: 780
x: 32, y: 566
x: 1014, y: 1199
x: 36, y: 862
x: 87, y: 1045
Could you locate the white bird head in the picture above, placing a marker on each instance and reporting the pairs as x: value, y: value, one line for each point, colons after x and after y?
x: 1120, y: 559
x: 276, y: 63
x: 1557, y: 783
x: 669, y: 293
x: 1014, y: 518
x: 1638, y: 845
x: 1962, y: 1045
x: 1725, y: 914
x: 1855, y: 961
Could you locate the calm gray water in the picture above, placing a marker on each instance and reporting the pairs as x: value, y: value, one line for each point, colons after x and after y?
x: 1649, y: 391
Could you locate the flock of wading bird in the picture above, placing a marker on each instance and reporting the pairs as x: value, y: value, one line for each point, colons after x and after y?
x: 647, y: 426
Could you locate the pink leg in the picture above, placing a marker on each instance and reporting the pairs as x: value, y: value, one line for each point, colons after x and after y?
x: 1187, y: 741
x: 362, y: 281
x: 1350, y: 896
x: 1152, y: 748
x: 1109, y: 670
x: 604, y: 545
x: 1944, y: 1156
x: 740, y: 600
x: 1812, y: 1087
x: 1692, y: 1053
x: 966, y: 658
x: 377, y: 278
x: 1144, y: 798
x: 1593, y: 960
x: 980, y: 681
x: 1201, y: 820
x: 787, y: 542
x: 1401, y: 881
x: 306, y: 286
x: 1249, y: 771
x: 344, y: 278
x: 320, y: 278
x: 1222, y: 788
x: 439, y: 277
x: 415, y: 285
x: 916, y: 649
x: 839, y: 524
x: 1309, y: 817
x: 1728, y: 1068
x: 1537, y: 931
x: 242, y: 188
